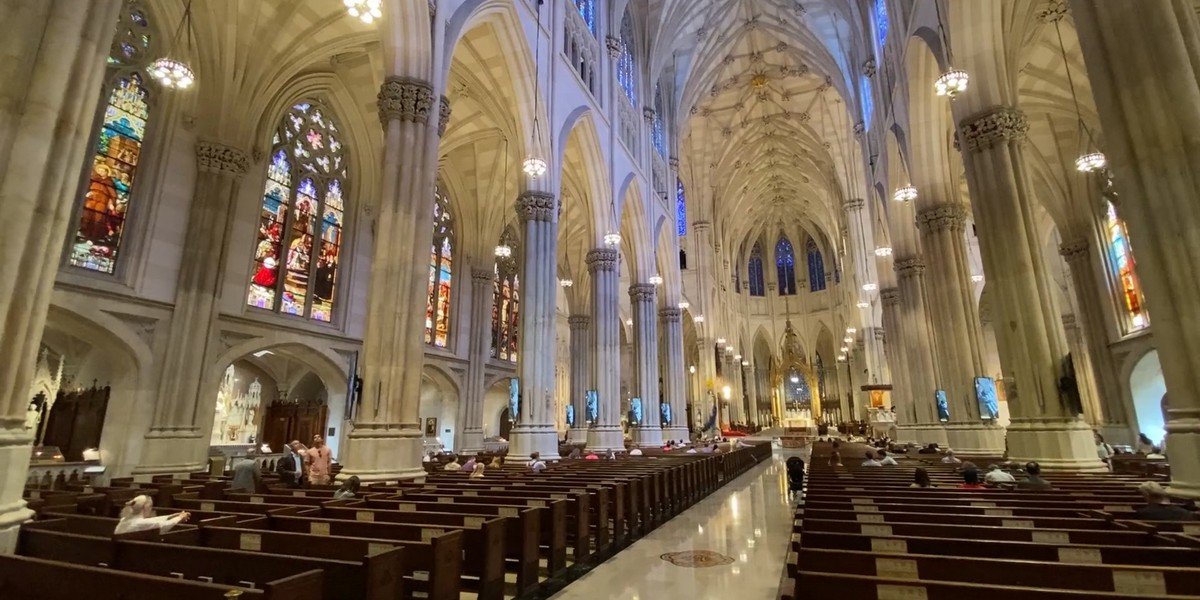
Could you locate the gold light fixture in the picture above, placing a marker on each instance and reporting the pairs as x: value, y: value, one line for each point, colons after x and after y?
x: 170, y: 70
x: 951, y: 83
x: 906, y: 193
x: 364, y: 10
x: 883, y: 251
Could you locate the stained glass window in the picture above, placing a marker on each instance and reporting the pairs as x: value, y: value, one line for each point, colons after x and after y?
x: 816, y: 266
x: 757, y: 287
x: 881, y: 21
x: 680, y: 209
x: 659, y: 135
x: 868, y: 102
x: 506, y: 302
x: 785, y: 266
x: 587, y: 8
x: 819, y: 367
x: 1124, y: 273
x: 441, y: 259
x: 625, y: 67
x: 303, y: 212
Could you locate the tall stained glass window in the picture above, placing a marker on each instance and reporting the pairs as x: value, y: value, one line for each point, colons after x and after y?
x: 506, y: 301
x: 757, y: 287
x: 625, y: 67
x: 587, y: 8
x: 785, y: 266
x: 118, y: 150
x: 657, y: 131
x: 816, y: 266
x: 882, y: 23
x: 1124, y: 273
x: 441, y: 267
x: 680, y: 209
x: 303, y: 211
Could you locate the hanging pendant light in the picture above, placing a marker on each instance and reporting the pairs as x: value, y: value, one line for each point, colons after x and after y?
x: 1091, y: 162
x: 612, y: 238
x: 534, y: 166
x: 951, y: 83
x: 171, y: 71
x: 977, y: 278
x: 870, y: 287
x: 503, y: 250
x: 906, y: 193
x: 851, y: 330
x: 364, y: 10
x: 863, y: 304
x: 655, y: 279
x: 883, y: 251
x: 566, y: 283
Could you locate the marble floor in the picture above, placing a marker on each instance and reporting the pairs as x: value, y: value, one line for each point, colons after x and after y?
x: 748, y: 520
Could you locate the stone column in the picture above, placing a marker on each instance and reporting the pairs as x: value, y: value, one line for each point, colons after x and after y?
x: 1148, y: 125
x: 732, y: 411
x: 479, y: 351
x: 707, y: 393
x: 897, y: 358
x: 645, y: 342
x: 751, y: 378
x: 1093, y: 297
x: 535, y: 429
x: 918, y: 347
x: 1032, y: 344
x: 605, y: 433
x: 56, y: 56
x: 674, y: 373
x: 955, y: 327
x: 384, y: 441
x: 581, y: 375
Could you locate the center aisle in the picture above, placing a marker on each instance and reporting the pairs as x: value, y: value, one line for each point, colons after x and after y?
x: 747, y: 523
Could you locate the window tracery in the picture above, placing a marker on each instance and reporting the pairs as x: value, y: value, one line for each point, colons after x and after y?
x: 785, y: 266
x: 506, y: 301
x: 441, y: 266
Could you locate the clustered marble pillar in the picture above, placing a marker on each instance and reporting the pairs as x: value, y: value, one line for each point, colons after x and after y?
x: 1148, y: 100
x: 674, y: 384
x: 535, y: 429
x: 384, y: 441
x: 581, y: 375
x: 705, y: 401
x: 47, y: 108
x: 605, y: 433
x: 955, y: 328
x: 1044, y: 426
x: 921, y: 378
x: 176, y: 443
x: 751, y: 379
x: 648, y: 433
x: 479, y: 350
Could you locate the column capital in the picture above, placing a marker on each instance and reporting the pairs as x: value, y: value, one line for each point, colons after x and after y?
x: 879, y: 334
x: 480, y: 275
x: 602, y: 259
x: 215, y: 157
x: 579, y: 322
x: 670, y: 314
x: 701, y: 226
x: 1074, y: 250
x: 642, y: 292
x: 404, y: 99
x: 910, y: 267
x: 613, y: 44
x: 890, y: 296
x: 648, y: 114
x: 1068, y: 321
x: 853, y: 205
x: 943, y: 217
x: 673, y: 162
x: 443, y: 115
x: 999, y: 124
x: 534, y: 205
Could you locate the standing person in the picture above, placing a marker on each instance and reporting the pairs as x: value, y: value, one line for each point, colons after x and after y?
x: 247, y: 476
x: 320, y: 461
x: 138, y: 515
x: 1104, y: 450
x: 291, y: 467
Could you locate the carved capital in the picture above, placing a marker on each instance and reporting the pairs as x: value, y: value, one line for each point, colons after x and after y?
x: 1054, y: 10
x: 943, y: 217
x: 890, y: 296
x: 219, y: 158
x: 910, y: 267
x: 579, y: 322
x: 1074, y: 250
x: 674, y: 162
x: 481, y: 275
x: 701, y: 226
x: 1000, y: 124
x: 443, y: 115
x: 853, y: 205
x: 648, y: 114
x: 670, y: 315
x: 602, y: 259
x: 613, y: 44
x: 533, y: 205
x: 641, y: 292
x: 404, y: 99
x: 859, y: 129
x: 868, y: 67
x: 1068, y: 321
x: 879, y: 334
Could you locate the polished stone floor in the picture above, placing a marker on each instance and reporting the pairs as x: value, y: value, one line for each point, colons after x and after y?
x: 748, y: 520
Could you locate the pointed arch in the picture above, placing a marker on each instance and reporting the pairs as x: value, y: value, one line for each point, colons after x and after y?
x: 816, y: 266
x: 756, y: 280
x: 785, y: 266
x: 441, y: 270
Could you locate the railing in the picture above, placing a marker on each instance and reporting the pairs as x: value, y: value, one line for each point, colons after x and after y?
x: 581, y: 47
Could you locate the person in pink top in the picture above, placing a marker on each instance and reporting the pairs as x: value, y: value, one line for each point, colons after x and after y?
x: 320, y: 460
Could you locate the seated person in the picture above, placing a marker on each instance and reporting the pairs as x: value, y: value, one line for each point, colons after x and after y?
x: 691, y: 450
x: 635, y: 452
x: 1033, y: 478
x: 997, y: 475
x: 921, y: 479
x: 576, y: 453
x: 431, y: 457
x: 950, y: 459
x: 138, y: 515
x: 871, y: 462
x: 349, y: 488
x: 469, y: 466
x: 452, y: 465
x: 591, y: 455
x: 885, y: 460
x: 534, y: 457
x: 1159, y: 507
x: 478, y: 472
x: 538, y: 466
x: 930, y: 449
x: 835, y: 459
x: 496, y: 463
x: 971, y: 480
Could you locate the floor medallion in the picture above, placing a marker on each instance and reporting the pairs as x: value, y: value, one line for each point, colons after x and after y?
x: 696, y: 559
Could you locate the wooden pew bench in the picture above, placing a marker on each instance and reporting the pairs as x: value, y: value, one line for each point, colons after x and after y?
x: 25, y: 578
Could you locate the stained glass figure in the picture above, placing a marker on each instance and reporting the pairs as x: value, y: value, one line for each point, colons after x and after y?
x: 506, y: 302
x: 587, y: 8
x: 757, y: 285
x: 1124, y: 273
x: 441, y: 259
x: 785, y: 266
x: 680, y: 209
x: 816, y: 266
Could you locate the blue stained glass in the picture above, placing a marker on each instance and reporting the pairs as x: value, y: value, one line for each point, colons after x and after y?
x: 625, y: 60
x: 881, y: 21
x: 680, y: 209
x: 785, y: 266
x: 659, y: 135
x: 757, y: 287
x: 587, y: 8
x: 816, y: 266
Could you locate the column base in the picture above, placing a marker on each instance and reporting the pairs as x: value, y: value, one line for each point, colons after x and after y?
x: 1119, y: 434
x: 975, y: 439
x: 15, y: 451
x: 1055, y: 444
x: 577, y: 436
x: 382, y: 452
x: 172, y: 452
x: 650, y: 436
x: 526, y: 439
x: 1183, y: 448
x: 677, y: 433
x: 471, y: 441
x: 602, y: 438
